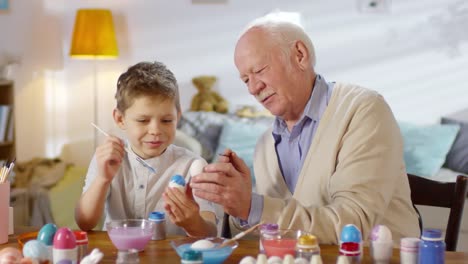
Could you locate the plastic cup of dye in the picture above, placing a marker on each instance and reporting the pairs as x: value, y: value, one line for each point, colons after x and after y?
x: 283, y: 243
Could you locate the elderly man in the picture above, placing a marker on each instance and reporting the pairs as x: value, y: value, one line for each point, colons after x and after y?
x: 334, y: 155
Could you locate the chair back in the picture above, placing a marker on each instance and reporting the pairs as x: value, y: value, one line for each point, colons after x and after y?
x: 450, y: 195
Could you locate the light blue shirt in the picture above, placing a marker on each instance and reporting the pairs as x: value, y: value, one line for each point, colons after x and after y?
x: 293, y: 146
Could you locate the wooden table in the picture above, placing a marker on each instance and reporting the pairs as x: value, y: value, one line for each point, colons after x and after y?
x: 162, y: 252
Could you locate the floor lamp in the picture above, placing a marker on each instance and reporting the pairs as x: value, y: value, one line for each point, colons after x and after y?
x: 94, y: 38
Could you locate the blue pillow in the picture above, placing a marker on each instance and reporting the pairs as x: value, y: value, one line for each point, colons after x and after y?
x: 241, y: 137
x: 426, y: 147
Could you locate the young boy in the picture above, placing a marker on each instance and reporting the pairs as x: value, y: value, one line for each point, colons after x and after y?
x: 147, y: 111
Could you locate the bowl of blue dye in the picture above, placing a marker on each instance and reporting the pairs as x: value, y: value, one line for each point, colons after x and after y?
x: 210, y: 255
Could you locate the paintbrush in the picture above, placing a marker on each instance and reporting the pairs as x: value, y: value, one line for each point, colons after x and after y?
x: 238, y: 236
x: 140, y: 160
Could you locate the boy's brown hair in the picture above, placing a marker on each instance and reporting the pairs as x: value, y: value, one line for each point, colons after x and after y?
x: 146, y: 79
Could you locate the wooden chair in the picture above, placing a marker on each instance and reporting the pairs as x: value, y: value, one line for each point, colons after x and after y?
x: 442, y: 194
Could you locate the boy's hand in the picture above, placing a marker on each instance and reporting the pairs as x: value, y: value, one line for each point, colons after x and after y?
x: 109, y: 156
x: 182, y: 209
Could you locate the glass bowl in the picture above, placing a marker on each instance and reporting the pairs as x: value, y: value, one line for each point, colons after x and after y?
x: 281, y: 243
x: 130, y: 233
x: 210, y: 256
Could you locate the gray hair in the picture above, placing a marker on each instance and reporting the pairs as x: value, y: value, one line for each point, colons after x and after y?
x: 284, y: 31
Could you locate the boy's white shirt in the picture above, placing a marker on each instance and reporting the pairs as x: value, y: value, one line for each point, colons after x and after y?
x: 135, y: 191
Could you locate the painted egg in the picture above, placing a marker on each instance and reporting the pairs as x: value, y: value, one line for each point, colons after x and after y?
x: 350, y: 233
x: 202, y: 244
x: 10, y: 255
x: 248, y: 260
x: 47, y: 233
x: 36, y: 250
x: 197, y: 167
x: 177, y: 181
x: 381, y: 233
x: 274, y: 260
x: 64, y: 239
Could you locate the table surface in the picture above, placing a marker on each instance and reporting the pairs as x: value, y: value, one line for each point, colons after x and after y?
x: 162, y: 252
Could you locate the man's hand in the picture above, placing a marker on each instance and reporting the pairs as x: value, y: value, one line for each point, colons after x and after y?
x: 227, y: 183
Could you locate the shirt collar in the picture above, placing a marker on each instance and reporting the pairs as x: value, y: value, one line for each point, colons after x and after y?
x: 313, y: 108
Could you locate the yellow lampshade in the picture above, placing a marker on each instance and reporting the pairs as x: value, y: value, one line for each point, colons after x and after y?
x: 94, y: 35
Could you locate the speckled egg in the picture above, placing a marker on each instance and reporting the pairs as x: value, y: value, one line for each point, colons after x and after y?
x: 381, y: 233
x: 36, y: 250
x: 350, y: 233
x: 47, y: 233
x: 10, y: 255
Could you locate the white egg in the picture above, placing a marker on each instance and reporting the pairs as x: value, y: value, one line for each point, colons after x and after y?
x: 301, y: 261
x: 176, y: 185
x: 197, y: 167
x: 261, y: 259
x: 202, y: 244
x: 288, y: 259
x: 274, y: 260
x: 248, y: 260
x: 316, y: 259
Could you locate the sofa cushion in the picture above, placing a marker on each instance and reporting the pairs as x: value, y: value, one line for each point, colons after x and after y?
x: 425, y: 147
x: 457, y: 158
x: 241, y: 137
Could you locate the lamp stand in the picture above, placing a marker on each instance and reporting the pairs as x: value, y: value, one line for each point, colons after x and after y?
x: 95, y: 107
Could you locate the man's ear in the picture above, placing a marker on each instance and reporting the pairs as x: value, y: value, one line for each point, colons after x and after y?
x: 119, y: 118
x: 301, y: 55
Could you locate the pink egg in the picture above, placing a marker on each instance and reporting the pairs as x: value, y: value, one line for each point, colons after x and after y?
x: 64, y: 239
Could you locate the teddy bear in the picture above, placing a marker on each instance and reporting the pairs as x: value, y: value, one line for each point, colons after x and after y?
x: 206, y: 99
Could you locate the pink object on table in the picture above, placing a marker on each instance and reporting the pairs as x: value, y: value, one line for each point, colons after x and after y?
x: 4, y: 208
x: 130, y: 237
x: 280, y: 247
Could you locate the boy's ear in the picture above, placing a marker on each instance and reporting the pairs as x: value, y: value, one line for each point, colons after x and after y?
x: 119, y: 118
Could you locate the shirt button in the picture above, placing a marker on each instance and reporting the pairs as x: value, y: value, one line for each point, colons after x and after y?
x: 142, y: 186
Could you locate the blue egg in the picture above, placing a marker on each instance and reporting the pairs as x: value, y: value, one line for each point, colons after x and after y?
x: 350, y: 233
x: 35, y: 249
x: 47, y: 233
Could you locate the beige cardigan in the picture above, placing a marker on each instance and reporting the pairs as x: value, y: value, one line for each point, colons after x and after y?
x: 354, y: 173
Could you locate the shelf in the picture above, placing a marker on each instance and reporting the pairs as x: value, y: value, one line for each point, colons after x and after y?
x: 4, y: 82
x: 6, y: 144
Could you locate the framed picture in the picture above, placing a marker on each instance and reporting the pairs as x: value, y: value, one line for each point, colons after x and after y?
x: 3, y: 5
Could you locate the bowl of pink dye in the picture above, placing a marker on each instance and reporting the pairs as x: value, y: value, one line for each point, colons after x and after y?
x: 281, y: 243
x: 130, y: 233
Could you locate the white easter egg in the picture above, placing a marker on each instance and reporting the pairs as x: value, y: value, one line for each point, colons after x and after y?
x: 202, y: 244
x: 248, y: 260
x: 301, y: 261
x: 274, y: 260
x: 197, y: 167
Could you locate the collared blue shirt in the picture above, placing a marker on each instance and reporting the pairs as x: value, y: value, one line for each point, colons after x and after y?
x: 292, y: 146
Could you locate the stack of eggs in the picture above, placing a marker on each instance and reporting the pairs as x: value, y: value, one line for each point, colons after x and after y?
x: 51, y: 245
